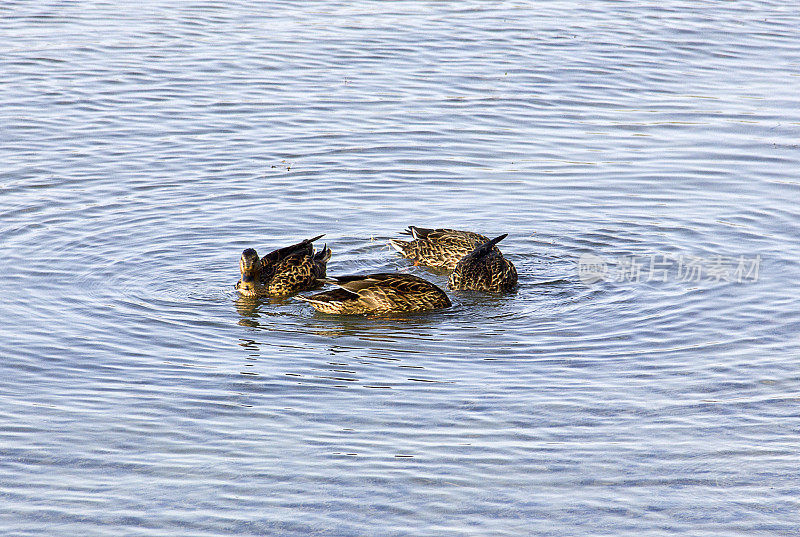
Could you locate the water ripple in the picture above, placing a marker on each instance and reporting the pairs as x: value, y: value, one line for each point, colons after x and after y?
x: 144, y: 149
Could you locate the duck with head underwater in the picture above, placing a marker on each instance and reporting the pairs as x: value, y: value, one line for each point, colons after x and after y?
x: 438, y: 248
x: 380, y: 293
x: 283, y: 272
x: 484, y: 269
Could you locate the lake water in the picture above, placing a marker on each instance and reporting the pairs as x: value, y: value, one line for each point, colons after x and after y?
x: 642, y: 380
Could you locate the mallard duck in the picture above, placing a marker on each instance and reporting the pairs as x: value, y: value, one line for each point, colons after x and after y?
x: 378, y: 293
x: 437, y: 248
x: 484, y: 269
x: 284, y: 271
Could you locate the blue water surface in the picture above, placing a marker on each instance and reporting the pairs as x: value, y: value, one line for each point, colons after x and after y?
x: 642, y: 380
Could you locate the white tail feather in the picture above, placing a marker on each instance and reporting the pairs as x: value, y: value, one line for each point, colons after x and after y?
x: 396, y: 245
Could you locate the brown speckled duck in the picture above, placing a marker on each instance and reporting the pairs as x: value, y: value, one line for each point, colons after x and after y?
x: 378, y: 293
x: 484, y: 269
x: 437, y: 248
x: 283, y: 272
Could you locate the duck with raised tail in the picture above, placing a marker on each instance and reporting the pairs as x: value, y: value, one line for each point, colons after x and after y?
x: 285, y: 271
x: 484, y: 269
x: 437, y: 248
x: 378, y: 294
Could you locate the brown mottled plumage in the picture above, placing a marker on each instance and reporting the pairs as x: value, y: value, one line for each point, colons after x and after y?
x: 284, y: 271
x: 484, y: 269
x: 437, y: 248
x: 378, y: 293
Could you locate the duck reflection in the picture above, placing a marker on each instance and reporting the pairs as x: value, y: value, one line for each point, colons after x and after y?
x: 292, y: 347
x: 252, y: 308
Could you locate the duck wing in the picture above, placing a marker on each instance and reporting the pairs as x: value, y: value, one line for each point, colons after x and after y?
x: 445, y: 235
x: 392, y: 289
x: 358, y: 283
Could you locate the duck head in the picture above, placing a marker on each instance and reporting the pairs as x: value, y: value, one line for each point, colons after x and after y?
x: 250, y: 267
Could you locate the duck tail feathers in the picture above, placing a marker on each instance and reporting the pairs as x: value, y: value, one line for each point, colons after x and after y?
x: 484, y: 248
x: 315, y: 238
x: 418, y: 232
x: 399, y: 245
x: 323, y: 255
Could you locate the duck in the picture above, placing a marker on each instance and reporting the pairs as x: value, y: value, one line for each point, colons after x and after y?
x: 484, y: 269
x: 437, y: 248
x: 379, y: 293
x: 285, y: 271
